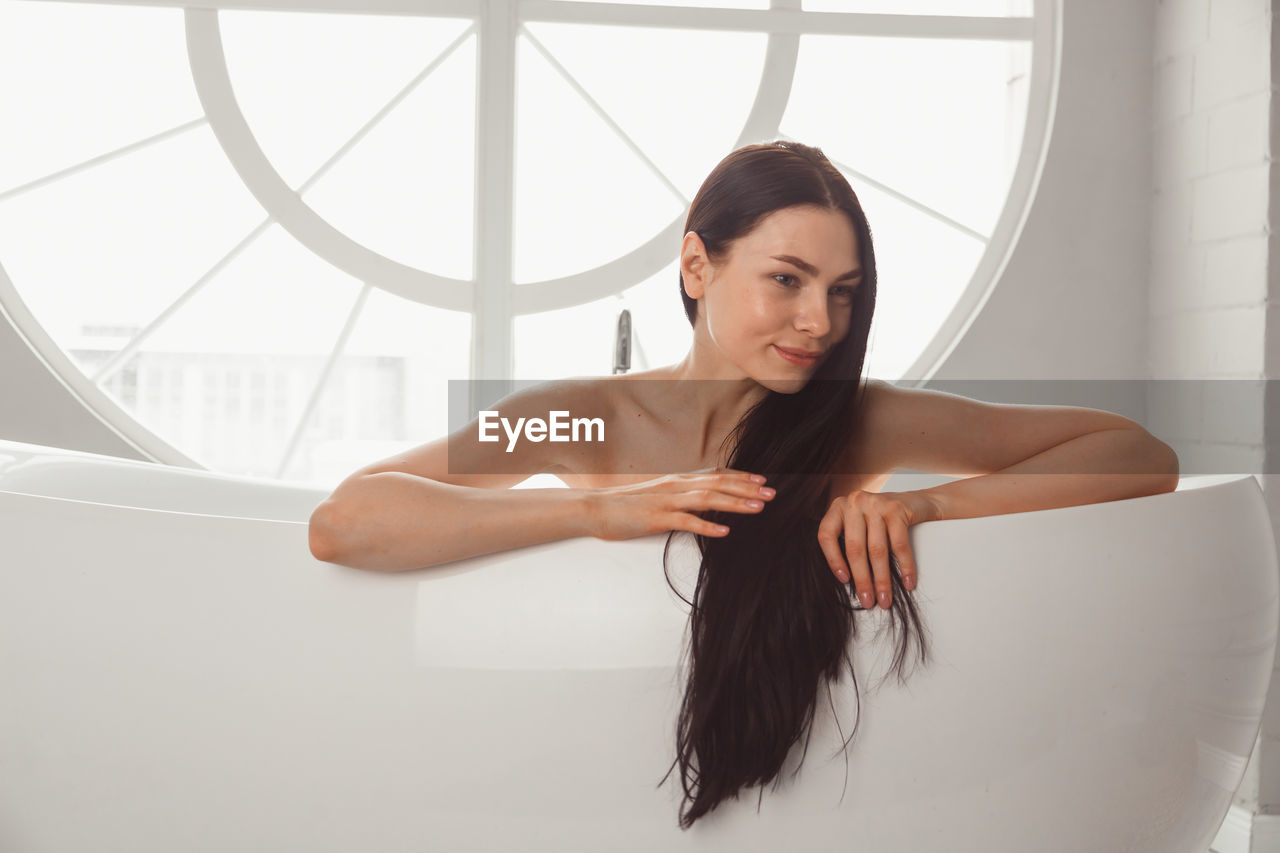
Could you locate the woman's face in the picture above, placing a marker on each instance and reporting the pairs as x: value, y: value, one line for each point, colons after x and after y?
x: 786, y: 287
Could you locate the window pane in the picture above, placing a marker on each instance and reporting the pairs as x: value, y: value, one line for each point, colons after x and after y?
x: 662, y: 332
x: 927, y: 117
x: 93, y: 79
x: 308, y: 84
x: 922, y: 267
x: 582, y: 196
x: 116, y: 244
x: 389, y: 391
x: 277, y: 309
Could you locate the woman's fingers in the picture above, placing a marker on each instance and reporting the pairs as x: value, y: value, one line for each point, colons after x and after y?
x: 738, y: 483
x: 723, y: 490
x: 829, y: 530
x: 673, y: 501
x: 694, y: 524
x: 726, y: 495
x: 878, y: 556
x: 703, y: 500
x: 718, y: 479
x: 855, y: 548
x: 874, y: 528
x: 728, y: 474
x: 901, y: 544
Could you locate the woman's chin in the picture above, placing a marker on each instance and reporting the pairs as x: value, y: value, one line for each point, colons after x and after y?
x: 785, y: 384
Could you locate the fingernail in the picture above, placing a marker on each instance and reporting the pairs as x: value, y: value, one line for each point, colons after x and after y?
x: 865, y: 598
x: 755, y: 504
x: 911, y: 582
x: 843, y: 576
x: 884, y: 599
x: 767, y: 492
x: 757, y: 478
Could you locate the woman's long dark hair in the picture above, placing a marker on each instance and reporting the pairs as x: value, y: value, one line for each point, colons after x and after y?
x: 769, y: 620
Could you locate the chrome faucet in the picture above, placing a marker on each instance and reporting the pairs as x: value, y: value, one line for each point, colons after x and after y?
x: 622, y: 343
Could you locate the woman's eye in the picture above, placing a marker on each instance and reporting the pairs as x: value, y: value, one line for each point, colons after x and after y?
x: 843, y: 292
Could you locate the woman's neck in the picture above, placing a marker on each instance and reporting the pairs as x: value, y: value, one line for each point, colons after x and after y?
x: 710, y: 399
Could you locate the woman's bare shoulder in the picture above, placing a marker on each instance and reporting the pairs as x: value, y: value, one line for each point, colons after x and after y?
x: 596, y: 395
x: 867, y: 462
x: 617, y: 393
x: 629, y: 407
x: 590, y: 398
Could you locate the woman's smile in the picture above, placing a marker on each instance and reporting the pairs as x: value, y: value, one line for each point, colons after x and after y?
x: 793, y: 356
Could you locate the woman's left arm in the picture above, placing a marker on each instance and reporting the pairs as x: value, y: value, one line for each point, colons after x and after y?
x: 1011, y: 458
x: 1105, y: 465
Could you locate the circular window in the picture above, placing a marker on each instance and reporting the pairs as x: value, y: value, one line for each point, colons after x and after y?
x: 262, y: 241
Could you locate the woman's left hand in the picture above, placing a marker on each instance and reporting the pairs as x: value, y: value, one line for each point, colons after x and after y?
x: 872, y: 523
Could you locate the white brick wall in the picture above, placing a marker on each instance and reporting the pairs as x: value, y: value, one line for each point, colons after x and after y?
x: 1236, y: 270
x: 1181, y: 27
x: 1211, y: 253
x: 1230, y: 203
x: 1239, y: 132
x: 1233, y: 63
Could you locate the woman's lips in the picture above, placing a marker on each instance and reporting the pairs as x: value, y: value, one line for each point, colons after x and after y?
x: 802, y: 361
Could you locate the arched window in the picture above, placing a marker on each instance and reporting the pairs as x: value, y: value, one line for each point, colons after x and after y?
x: 264, y: 239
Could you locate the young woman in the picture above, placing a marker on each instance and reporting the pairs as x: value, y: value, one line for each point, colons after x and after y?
x: 765, y: 444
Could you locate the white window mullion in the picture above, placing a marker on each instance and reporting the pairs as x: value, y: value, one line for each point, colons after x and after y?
x: 491, y: 318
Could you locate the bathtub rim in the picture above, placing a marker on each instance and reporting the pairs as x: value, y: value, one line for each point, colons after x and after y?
x: 1198, y: 483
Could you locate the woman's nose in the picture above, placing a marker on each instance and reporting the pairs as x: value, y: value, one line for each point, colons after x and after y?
x: 812, y: 314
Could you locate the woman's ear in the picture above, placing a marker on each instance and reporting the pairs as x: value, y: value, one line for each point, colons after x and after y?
x: 694, y: 265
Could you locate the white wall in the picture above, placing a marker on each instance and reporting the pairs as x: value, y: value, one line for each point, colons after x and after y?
x: 1072, y: 301
x: 39, y: 409
x: 1211, y: 259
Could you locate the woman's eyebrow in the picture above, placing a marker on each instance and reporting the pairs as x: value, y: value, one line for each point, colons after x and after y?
x: 811, y: 269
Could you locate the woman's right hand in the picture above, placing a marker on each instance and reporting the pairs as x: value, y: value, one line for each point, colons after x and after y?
x: 671, y: 501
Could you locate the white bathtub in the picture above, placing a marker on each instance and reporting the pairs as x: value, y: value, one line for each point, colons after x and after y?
x: 177, y: 676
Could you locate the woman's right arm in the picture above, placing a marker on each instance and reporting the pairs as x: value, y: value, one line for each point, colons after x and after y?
x: 451, y: 499
x: 393, y: 520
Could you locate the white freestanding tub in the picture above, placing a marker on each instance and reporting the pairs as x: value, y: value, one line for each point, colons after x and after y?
x: 178, y: 676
